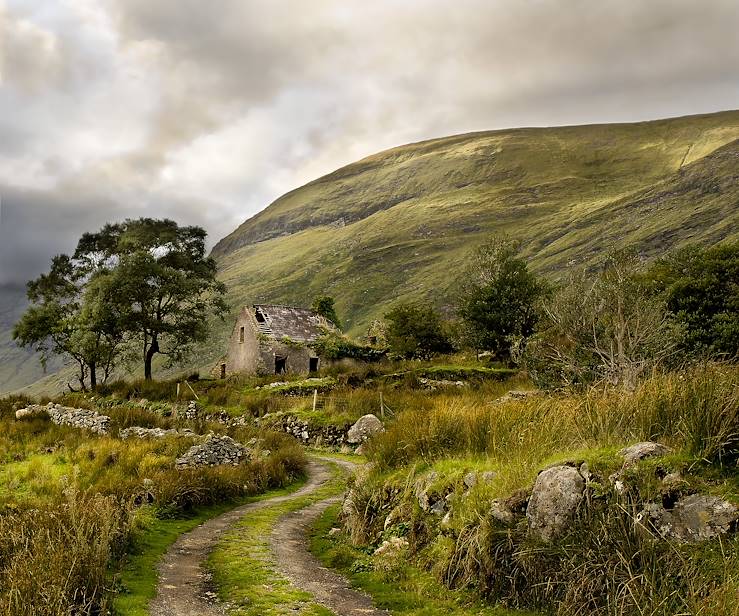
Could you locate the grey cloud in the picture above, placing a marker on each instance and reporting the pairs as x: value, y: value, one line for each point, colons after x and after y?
x: 206, y: 111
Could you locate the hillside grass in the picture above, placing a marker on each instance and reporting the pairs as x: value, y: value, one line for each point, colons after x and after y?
x: 73, y: 504
x: 400, y: 225
x: 603, y: 565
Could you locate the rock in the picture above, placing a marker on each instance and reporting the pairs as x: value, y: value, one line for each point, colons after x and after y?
x: 640, y: 451
x: 138, y: 432
x: 470, y: 480
x: 31, y: 411
x: 192, y: 412
x: 334, y: 532
x: 515, y: 394
x: 361, y: 450
x: 500, y: 512
x: 421, y: 490
x: 364, y: 428
x: 557, y: 494
x: 391, y: 547
x: 214, y: 451
x: 693, y: 519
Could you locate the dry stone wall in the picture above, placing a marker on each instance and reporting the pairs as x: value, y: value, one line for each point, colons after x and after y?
x: 67, y: 416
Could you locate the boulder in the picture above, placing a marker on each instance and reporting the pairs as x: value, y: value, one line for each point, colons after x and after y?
x: 640, y: 451
x: 693, y: 519
x: 556, y: 496
x: 364, y: 428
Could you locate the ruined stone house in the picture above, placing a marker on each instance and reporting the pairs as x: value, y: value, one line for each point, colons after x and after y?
x: 274, y: 340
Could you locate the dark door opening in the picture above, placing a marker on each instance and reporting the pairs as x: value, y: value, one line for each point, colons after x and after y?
x: 313, y: 364
x: 280, y: 364
x: 223, y: 371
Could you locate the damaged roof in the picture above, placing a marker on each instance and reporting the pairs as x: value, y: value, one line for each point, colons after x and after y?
x: 298, y: 324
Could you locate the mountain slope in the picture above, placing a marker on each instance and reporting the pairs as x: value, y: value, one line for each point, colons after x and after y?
x: 400, y: 224
x: 18, y: 367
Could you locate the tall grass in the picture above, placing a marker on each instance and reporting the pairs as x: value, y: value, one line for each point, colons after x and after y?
x: 696, y: 411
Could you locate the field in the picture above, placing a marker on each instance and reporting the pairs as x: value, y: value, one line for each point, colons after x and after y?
x: 460, y: 561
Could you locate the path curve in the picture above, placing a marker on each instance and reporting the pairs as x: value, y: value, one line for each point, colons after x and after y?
x: 183, y: 588
x: 289, y: 542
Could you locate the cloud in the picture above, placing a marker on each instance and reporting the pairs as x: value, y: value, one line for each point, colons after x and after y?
x: 206, y: 112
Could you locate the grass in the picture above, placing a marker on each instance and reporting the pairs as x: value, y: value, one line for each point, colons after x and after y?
x: 69, y: 505
x: 604, y: 566
x: 412, y: 215
x: 137, y: 580
x: 244, y: 572
x: 402, y: 589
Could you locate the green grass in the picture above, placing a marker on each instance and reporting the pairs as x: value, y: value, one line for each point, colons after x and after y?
x: 243, y: 570
x: 413, y: 214
x: 405, y: 591
x: 138, y: 577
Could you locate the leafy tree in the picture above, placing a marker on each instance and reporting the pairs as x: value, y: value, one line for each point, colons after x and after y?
x: 71, y: 315
x: 701, y: 288
x: 415, y: 331
x: 165, y: 286
x: 498, y: 297
x: 602, y: 329
x: 325, y: 306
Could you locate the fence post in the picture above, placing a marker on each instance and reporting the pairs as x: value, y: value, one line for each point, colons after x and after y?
x: 315, y: 399
x: 178, y: 390
x: 382, y: 407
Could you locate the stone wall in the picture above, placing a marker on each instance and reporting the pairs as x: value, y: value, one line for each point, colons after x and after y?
x: 67, y: 416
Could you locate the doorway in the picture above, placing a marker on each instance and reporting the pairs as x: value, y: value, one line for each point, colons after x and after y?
x: 223, y: 371
x: 280, y: 364
x: 313, y: 365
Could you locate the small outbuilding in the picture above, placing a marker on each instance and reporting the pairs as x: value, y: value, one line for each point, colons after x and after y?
x: 271, y: 339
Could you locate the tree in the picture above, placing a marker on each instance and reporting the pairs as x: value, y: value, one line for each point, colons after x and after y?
x: 498, y: 297
x: 415, y: 331
x: 701, y: 289
x: 606, y: 328
x: 324, y: 305
x: 71, y: 315
x: 165, y: 286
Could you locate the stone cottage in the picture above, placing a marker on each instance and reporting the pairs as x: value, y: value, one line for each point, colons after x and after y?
x: 274, y: 340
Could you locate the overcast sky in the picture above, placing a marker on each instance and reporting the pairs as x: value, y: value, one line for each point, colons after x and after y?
x: 207, y: 111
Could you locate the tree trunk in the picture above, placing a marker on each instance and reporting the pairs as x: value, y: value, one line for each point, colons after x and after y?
x: 151, y: 351
x: 93, y: 376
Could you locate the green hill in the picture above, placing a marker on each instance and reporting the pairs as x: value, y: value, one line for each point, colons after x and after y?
x: 400, y: 224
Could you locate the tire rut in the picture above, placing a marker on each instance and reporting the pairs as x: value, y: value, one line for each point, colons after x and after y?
x: 184, y: 587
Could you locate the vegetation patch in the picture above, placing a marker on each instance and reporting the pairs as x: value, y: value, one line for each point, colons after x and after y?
x: 242, y: 564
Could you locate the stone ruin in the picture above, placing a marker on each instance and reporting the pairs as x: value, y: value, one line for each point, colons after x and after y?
x: 214, y: 451
x: 67, y: 416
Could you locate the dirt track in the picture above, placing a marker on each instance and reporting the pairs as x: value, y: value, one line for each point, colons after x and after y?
x: 184, y: 586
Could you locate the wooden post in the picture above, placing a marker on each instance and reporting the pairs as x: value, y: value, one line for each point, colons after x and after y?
x: 178, y: 390
x: 382, y: 407
x: 315, y: 399
x: 192, y: 390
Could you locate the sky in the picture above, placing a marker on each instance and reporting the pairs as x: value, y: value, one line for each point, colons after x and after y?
x: 205, y: 112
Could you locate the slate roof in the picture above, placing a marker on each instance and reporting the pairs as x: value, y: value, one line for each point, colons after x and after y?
x: 298, y: 324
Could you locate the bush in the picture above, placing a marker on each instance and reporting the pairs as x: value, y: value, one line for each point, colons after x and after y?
x: 415, y: 332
